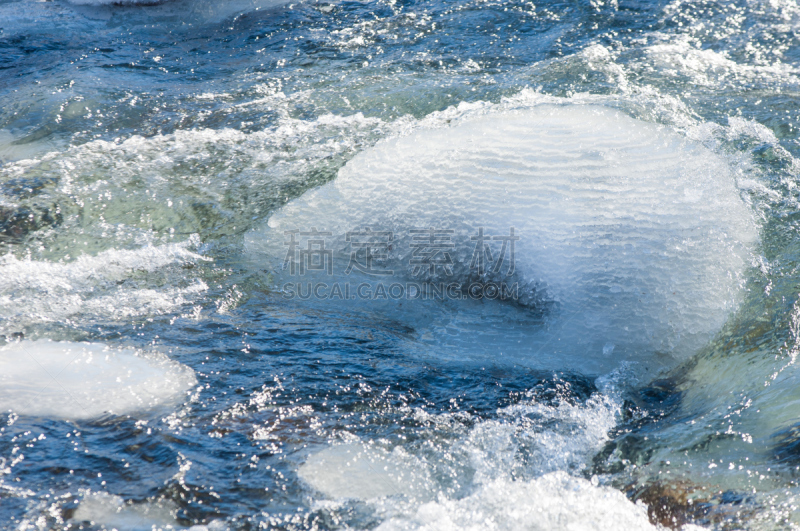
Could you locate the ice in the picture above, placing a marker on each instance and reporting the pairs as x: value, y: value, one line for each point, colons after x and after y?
x: 86, y: 380
x: 364, y: 471
x: 109, y: 511
x: 631, y: 235
x: 112, y: 512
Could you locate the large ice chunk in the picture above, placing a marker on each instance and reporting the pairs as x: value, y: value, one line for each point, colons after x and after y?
x: 633, y: 239
x: 86, y: 380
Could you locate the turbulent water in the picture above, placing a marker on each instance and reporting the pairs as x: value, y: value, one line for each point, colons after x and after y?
x: 240, y: 241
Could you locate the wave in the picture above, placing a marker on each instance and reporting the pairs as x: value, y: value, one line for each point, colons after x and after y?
x: 102, y: 286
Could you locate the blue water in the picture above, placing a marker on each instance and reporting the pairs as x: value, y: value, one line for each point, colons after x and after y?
x: 133, y: 128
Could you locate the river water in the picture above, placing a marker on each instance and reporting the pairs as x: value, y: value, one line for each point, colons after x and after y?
x: 386, y: 264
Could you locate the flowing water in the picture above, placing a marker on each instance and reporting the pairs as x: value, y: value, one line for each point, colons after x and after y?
x: 239, y: 241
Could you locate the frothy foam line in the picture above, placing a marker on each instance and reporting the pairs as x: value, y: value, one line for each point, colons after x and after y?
x: 38, y: 291
x: 555, y: 501
x: 111, y: 265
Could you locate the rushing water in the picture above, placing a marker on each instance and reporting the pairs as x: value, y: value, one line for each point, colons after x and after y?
x: 165, y: 366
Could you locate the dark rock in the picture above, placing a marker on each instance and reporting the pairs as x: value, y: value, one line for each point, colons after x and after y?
x: 17, y: 223
x: 24, y: 188
x: 670, y: 504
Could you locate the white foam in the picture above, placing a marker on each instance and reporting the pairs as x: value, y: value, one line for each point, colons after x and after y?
x: 555, y: 501
x: 560, y: 436
x: 637, y: 236
x: 675, y: 56
x: 506, y: 473
x: 140, y: 197
x: 86, y: 380
x: 34, y: 291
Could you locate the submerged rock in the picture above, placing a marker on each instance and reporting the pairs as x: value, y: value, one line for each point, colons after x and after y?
x: 24, y: 188
x: 680, y: 503
x: 670, y: 504
x: 18, y: 223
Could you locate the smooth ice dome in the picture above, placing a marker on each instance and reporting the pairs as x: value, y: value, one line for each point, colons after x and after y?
x: 86, y: 380
x: 633, y: 238
x: 359, y: 471
x: 113, y: 513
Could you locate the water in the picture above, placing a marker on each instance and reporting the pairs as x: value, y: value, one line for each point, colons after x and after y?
x: 152, y: 156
